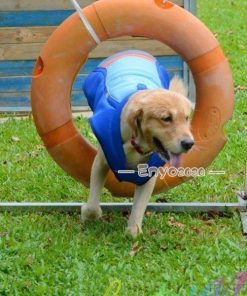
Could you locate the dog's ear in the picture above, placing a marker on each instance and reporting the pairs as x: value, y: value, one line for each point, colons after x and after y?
x: 134, y: 120
x: 177, y: 85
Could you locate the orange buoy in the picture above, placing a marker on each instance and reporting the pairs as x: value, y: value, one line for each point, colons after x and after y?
x: 67, y: 49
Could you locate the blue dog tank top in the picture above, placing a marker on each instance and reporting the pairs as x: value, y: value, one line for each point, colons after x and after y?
x: 107, y: 89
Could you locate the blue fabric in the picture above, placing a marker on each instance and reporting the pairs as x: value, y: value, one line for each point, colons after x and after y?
x: 108, y: 88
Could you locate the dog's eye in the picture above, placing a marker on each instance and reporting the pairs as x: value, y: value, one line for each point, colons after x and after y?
x: 167, y: 119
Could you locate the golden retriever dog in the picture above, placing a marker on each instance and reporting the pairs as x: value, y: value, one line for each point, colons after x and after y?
x: 159, y: 121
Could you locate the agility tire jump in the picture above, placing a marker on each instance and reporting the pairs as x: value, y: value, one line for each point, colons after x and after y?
x: 66, y: 52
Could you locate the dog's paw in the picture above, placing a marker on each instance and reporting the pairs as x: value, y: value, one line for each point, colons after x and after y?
x: 133, y: 230
x: 89, y: 214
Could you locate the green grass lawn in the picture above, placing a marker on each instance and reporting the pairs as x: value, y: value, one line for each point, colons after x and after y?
x: 55, y: 254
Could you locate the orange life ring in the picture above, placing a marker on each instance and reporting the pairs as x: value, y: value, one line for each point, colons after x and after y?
x: 67, y: 50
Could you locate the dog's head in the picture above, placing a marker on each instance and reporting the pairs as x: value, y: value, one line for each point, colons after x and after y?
x: 163, y: 118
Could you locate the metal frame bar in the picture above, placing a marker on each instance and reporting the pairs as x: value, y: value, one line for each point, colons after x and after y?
x: 190, y: 5
x: 187, y: 4
x: 191, y: 207
x: 195, y: 207
x: 242, y: 199
x: 192, y: 89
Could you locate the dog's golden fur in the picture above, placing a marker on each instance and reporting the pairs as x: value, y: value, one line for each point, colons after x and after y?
x: 149, y: 108
x: 149, y: 114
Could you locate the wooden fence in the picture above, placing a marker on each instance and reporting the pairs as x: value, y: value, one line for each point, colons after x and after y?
x: 25, y: 25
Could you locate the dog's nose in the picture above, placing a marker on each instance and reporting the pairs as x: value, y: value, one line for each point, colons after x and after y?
x: 187, y: 144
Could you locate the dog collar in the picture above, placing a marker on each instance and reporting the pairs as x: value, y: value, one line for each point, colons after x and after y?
x: 138, y: 148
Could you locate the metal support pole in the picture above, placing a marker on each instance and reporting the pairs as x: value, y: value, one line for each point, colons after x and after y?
x: 242, y: 198
x: 190, y: 5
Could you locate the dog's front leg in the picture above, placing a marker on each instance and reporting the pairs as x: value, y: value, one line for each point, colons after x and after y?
x: 100, y: 168
x: 141, y: 198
